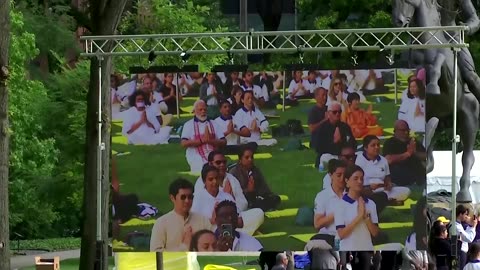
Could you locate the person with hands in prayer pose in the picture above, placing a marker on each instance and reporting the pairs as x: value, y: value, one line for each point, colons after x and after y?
x: 356, y: 219
x: 200, y: 136
x: 173, y: 231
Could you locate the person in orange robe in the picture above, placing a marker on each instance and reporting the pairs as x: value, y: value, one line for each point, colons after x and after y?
x: 361, y: 122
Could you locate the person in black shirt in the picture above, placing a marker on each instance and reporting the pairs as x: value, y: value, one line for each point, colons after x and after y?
x: 440, y: 247
x: 233, y: 79
x: 406, y: 157
x: 332, y: 135
x: 317, y: 114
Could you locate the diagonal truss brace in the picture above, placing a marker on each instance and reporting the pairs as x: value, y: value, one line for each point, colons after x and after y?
x: 370, y: 39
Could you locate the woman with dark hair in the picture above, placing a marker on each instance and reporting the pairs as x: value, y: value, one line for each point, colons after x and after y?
x: 439, y: 246
x: 169, y: 93
x: 140, y: 123
x: 356, y: 219
x: 377, y: 171
x: 203, y: 241
x: 236, y: 99
x: 412, y: 109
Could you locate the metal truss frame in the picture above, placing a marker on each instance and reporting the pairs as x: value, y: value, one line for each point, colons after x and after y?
x: 371, y: 39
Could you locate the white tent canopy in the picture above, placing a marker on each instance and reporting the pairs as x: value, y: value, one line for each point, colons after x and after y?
x: 441, y: 176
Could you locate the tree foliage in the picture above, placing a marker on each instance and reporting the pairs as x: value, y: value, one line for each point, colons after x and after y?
x: 169, y: 17
x: 33, y: 154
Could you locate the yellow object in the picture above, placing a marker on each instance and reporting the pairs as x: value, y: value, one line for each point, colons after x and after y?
x: 147, y: 261
x: 443, y: 219
x: 217, y: 267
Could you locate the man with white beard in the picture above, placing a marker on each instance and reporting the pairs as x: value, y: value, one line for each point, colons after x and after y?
x: 200, y: 136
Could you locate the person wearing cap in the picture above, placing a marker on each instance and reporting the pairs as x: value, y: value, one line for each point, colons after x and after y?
x: 332, y: 135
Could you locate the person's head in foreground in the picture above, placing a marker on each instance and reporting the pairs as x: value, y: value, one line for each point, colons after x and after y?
x: 282, y: 259
x: 181, y: 195
x: 200, y: 110
x: 210, y: 179
x: 474, y: 253
x: 203, y: 241
x: 226, y: 219
x: 334, y: 112
x: 336, y: 169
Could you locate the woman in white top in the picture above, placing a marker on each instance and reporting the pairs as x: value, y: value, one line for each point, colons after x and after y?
x: 377, y: 171
x: 140, y: 124
x: 356, y: 219
x: 412, y: 109
x: 207, y: 199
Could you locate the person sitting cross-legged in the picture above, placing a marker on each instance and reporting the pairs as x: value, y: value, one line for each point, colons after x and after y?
x: 252, y: 218
x: 253, y: 182
x: 200, y: 136
x: 362, y: 122
x: 377, y: 171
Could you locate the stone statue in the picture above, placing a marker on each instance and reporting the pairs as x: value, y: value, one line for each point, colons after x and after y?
x: 440, y: 97
x: 450, y: 12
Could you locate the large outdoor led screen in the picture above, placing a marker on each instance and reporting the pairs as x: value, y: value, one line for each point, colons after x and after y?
x: 245, y: 161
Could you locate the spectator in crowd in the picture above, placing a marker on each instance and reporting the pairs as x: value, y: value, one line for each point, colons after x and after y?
x: 266, y: 82
x: 228, y: 127
x: 440, y: 246
x: 253, y: 182
x: 236, y: 99
x: 169, y: 93
x: 332, y: 135
x: 370, y: 81
x: 361, y: 122
x: 140, y: 124
x: 473, y: 257
x: 233, y: 79
x: 200, y: 137
x: 417, y: 240
x: 337, y: 93
x: 260, y: 96
x: 317, y: 115
x: 297, y: 88
x: 211, y: 93
x: 467, y: 235
x: 311, y: 82
x: 173, y: 231
x: 282, y: 262
x: 203, y: 241
x: 412, y: 109
x: 406, y: 157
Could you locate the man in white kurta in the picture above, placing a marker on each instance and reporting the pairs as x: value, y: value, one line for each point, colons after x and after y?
x: 252, y: 218
x: 200, y: 136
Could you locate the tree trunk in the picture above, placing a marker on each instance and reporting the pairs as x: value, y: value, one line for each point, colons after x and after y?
x: 105, y: 16
x: 4, y: 135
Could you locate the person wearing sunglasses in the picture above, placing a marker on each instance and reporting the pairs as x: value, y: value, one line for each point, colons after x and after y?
x: 173, y: 231
x: 252, y: 218
x: 332, y: 135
